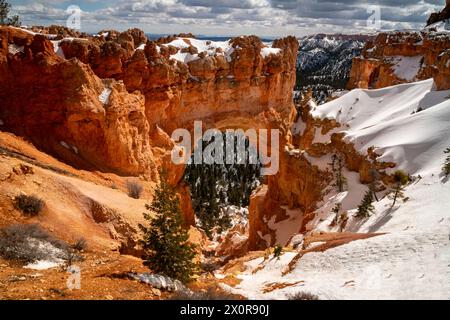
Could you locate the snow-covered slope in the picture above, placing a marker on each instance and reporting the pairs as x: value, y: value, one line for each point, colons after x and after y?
x: 408, y: 124
x: 411, y: 257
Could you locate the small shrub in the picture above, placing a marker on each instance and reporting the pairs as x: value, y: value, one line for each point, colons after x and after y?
x: 134, y: 189
x: 401, y: 177
x: 29, y: 205
x: 342, y: 220
x: 277, y: 251
x: 336, y: 209
x: 303, y: 296
x: 71, y: 257
x: 210, y: 294
x: 80, y: 245
x: 27, y: 243
x: 397, y: 192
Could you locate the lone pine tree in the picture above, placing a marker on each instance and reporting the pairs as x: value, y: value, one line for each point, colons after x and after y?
x: 5, y: 19
x: 373, y: 184
x: 366, y: 207
x: 336, y: 166
x: 400, y: 180
x: 165, y: 242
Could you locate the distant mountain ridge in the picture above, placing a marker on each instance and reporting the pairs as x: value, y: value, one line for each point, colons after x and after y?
x: 324, y: 62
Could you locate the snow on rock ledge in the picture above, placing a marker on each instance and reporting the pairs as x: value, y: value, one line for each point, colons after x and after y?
x: 409, y: 257
x: 407, y: 124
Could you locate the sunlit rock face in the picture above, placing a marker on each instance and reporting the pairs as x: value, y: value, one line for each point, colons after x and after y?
x: 110, y: 102
x: 407, y: 56
x: 66, y: 110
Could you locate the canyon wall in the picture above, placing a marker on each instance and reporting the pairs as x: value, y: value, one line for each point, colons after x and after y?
x: 66, y: 110
x: 110, y: 102
x: 403, y: 56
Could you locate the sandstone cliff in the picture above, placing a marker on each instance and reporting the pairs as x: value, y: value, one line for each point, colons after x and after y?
x: 403, y: 56
x: 110, y: 102
x: 63, y: 108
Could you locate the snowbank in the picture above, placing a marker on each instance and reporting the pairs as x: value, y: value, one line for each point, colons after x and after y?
x: 410, y: 258
x: 407, y: 124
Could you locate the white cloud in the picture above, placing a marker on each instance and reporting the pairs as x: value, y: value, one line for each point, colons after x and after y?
x: 232, y: 17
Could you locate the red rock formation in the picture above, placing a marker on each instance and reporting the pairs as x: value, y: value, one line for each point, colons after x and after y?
x: 55, y: 103
x: 67, y: 108
x: 234, y: 244
x: 440, y: 16
x: 208, y: 85
x: 428, y: 51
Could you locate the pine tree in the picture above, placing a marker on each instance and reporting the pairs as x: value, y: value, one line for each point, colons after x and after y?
x: 336, y: 209
x: 215, y: 186
x: 5, y: 9
x: 366, y: 207
x: 400, y: 180
x: 446, y: 167
x: 336, y: 166
x: 165, y: 242
x: 373, y: 184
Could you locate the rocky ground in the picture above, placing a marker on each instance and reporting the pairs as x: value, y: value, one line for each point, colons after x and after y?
x: 103, y: 277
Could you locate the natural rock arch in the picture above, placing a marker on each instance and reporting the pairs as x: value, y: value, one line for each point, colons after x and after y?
x: 128, y: 132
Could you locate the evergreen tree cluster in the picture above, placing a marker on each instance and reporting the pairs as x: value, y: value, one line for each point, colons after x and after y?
x: 5, y: 18
x: 215, y: 186
x: 167, y: 250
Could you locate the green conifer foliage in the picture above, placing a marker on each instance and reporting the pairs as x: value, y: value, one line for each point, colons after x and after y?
x: 215, y: 186
x: 165, y: 242
x: 400, y: 180
x: 5, y: 19
x: 366, y: 207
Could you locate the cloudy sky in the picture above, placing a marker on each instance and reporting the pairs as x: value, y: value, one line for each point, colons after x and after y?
x: 232, y: 17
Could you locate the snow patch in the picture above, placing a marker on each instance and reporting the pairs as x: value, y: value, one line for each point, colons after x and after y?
x: 211, y: 48
x: 286, y: 228
x: 410, y: 259
x: 57, y: 48
x: 64, y: 144
x: 267, y: 51
x: 14, y: 49
x: 54, y: 255
x: 406, y: 68
x: 42, y: 265
x: 141, y: 46
x: 104, y: 96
